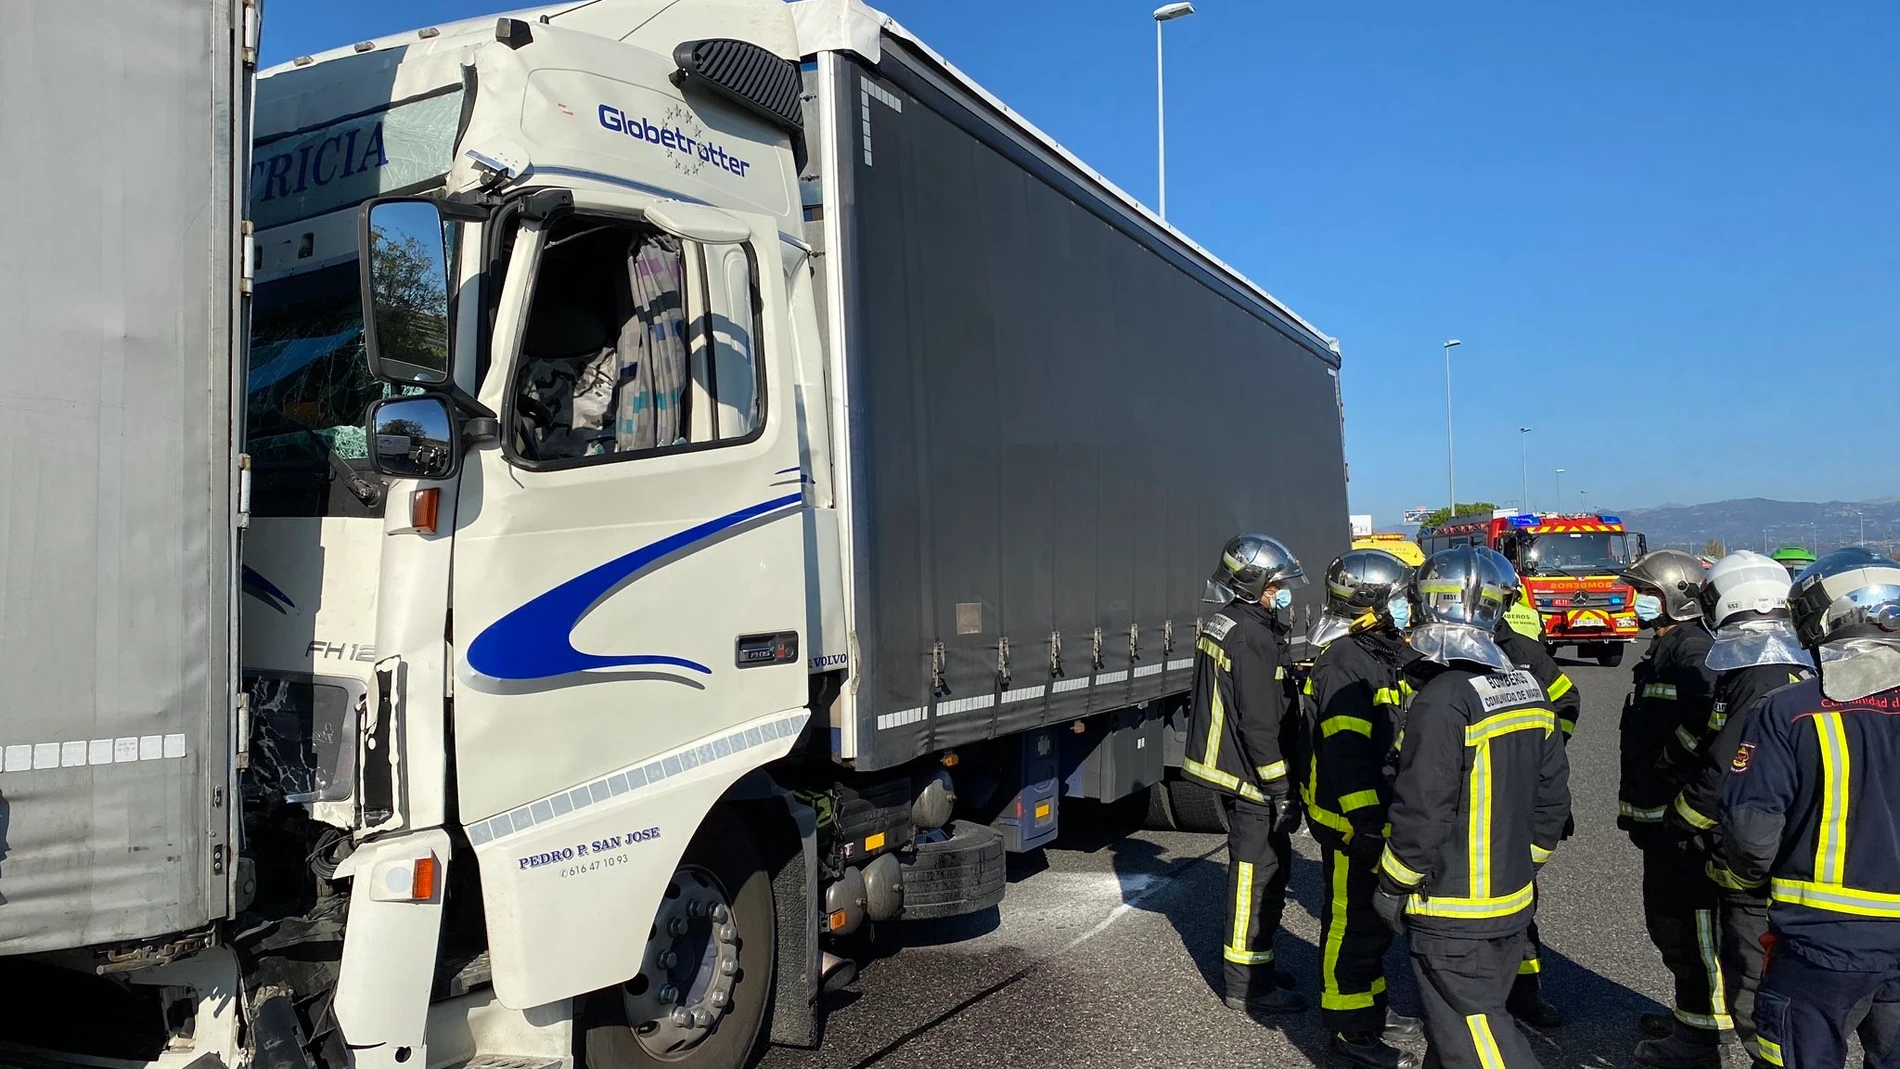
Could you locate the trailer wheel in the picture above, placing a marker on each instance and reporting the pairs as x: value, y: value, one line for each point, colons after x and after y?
x: 704, y: 990
x: 1196, y: 808
x: 1610, y: 654
x: 1160, y: 811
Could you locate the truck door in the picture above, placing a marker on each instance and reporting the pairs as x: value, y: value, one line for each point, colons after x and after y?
x: 630, y: 555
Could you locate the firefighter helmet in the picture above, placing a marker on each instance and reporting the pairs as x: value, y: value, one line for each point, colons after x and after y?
x: 1672, y: 575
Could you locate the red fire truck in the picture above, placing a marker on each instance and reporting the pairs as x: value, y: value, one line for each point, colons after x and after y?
x: 1569, y: 563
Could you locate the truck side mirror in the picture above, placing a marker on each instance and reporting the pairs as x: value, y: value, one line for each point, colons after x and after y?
x: 1642, y: 545
x: 415, y: 437
x: 405, y: 291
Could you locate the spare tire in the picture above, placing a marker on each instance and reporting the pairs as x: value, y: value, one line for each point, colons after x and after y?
x: 960, y: 873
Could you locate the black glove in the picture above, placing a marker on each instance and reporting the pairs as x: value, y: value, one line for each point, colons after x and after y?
x: 1287, y: 812
x: 1364, y: 847
x: 1570, y: 828
x: 1389, y: 904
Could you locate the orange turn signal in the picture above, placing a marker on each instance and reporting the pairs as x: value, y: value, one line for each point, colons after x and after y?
x: 422, y: 883
x: 424, y: 507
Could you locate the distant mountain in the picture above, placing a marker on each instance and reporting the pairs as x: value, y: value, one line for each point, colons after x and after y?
x: 1751, y: 523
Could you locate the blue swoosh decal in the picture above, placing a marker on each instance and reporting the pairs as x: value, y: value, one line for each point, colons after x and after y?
x: 536, y: 641
x: 264, y: 590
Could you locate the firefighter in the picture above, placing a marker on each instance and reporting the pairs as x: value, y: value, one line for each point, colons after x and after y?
x: 1479, y: 805
x: 1664, y: 721
x: 1809, y: 809
x: 1355, y: 691
x: 1237, y: 722
x: 1755, y: 652
x: 1527, y: 1002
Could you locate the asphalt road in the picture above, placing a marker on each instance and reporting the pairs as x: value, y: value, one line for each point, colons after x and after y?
x: 1106, y: 947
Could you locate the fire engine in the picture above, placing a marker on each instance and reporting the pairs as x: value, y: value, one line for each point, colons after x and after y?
x: 1570, y: 564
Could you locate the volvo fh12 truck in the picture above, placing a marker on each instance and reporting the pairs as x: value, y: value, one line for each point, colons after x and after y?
x: 718, y: 481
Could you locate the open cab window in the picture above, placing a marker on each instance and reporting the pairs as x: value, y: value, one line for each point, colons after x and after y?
x: 637, y: 343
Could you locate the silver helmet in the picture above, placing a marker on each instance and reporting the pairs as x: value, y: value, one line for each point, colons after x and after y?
x: 1850, y: 593
x: 1249, y: 564
x: 1460, y: 597
x: 1513, y: 586
x: 1360, y: 587
x: 1745, y: 599
x: 1672, y: 575
x: 1846, y: 606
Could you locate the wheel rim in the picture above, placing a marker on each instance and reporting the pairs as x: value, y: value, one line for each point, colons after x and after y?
x: 691, y: 967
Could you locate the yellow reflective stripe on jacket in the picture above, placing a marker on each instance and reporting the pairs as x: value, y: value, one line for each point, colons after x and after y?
x: 1269, y: 773
x: 1649, y: 816
x: 1218, y: 778
x: 1688, y: 740
x: 1306, y: 688
x: 1539, y: 855
x: 1718, y: 720
x: 1830, y: 841
x: 1212, y: 649
x: 1505, y: 723
x: 1665, y: 691
x: 1326, y: 818
x: 1333, y: 725
x: 1478, y: 836
x: 1569, y: 727
x: 1720, y: 875
x: 1387, y: 696
x: 1559, y: 687
x: 1836, y: 898
x: 1770, y: 1050
x: 1398, y: 870
x: 1471, y: 908
x: 1358, y: 800
x: 1689, y: 814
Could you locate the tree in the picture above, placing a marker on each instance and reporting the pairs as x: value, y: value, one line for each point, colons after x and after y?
x: 1714, y: 549
x: 1465, y: 508
x: 409, y: 300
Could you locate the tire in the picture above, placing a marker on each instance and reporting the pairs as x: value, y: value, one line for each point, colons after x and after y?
x: 1160, y: 810
x: 1610, y: 654
x: 965, y: 873
x: 726, y: 852
x: 1551, y: 648
x: 1197, y: 808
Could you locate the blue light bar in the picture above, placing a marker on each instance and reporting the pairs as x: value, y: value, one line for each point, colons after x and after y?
x: 1610, y: 519
x: 1524, y: 519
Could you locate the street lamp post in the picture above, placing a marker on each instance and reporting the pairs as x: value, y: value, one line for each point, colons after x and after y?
x: 1524, y: 466
x: 1164, y: 13
x: 1557, y: 498
x: 1583, y: 501
x: 1451, y: 464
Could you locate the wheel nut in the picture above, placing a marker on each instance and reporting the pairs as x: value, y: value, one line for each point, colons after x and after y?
x: 677, y: 926
x: 668, y: 959
x: 682, y: 1017
x: 669, y: 993
x: 721, y: 914
x: 728, y: 967
x: 728, y: 934
x: 718, y: 999
x: 702, y: 1018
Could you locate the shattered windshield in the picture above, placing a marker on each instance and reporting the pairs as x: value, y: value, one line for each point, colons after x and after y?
x: 307, y: 391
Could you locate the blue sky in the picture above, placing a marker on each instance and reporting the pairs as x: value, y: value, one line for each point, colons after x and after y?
x: 1668, y: 234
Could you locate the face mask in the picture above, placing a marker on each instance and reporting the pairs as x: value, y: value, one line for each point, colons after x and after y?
x: 1282, y: 598
x: 1648, y: 608
x: 1401, y: 611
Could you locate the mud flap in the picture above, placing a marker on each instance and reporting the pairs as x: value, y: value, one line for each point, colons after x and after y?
x: 797, y: 1020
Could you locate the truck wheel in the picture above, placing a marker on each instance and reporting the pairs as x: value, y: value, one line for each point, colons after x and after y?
x: 1610, y: 654
x: 963, y: 873
x: 1196, y: 808
x: 1160, y: 810
x: 705, y: 985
